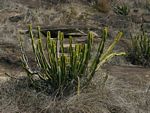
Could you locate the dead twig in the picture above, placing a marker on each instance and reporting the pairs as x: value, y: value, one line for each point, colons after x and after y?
x: 10, y: 76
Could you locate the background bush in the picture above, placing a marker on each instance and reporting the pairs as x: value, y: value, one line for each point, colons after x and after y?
x: 139, y: 52
x: 122, y: 10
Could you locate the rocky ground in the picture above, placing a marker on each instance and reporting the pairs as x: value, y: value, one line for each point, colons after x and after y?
x: 127, y: 88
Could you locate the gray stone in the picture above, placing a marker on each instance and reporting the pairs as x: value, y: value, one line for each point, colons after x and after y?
x: 4, y: 79
x: 146, y: 27
x: 146, y: 18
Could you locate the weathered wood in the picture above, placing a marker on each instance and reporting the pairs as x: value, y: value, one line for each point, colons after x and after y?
x: 75, y: 31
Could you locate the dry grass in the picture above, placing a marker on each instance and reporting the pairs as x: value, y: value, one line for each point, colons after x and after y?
x: 17, y: 96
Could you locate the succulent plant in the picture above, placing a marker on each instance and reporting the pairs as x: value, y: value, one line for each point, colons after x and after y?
x: 140, y: 50
x: 122, y: 10
x: 63, y: 71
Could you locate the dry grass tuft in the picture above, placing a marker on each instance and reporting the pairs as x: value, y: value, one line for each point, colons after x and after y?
x: 17, y: 95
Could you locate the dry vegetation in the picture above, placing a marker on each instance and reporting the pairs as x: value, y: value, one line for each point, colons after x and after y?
x: 118, y: 96
x: 127, y: 89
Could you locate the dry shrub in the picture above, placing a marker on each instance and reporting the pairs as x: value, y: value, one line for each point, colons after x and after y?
x: 103, y: 5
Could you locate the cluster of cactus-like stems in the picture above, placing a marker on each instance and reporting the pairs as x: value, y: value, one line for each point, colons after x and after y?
x: 73, y: 70
x: 140, y: 50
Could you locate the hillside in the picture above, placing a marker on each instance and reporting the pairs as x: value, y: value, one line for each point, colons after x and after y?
x: 125, y: 91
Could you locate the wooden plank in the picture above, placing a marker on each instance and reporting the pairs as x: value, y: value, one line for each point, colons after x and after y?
x: 74, y: 31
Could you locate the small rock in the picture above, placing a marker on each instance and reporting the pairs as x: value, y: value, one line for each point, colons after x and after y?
x: 146, y: 18
x: 146, y: 27
x: 16, y: 18
x: 147, y: 76
x: 4, y: 79
x: 136, y: 19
